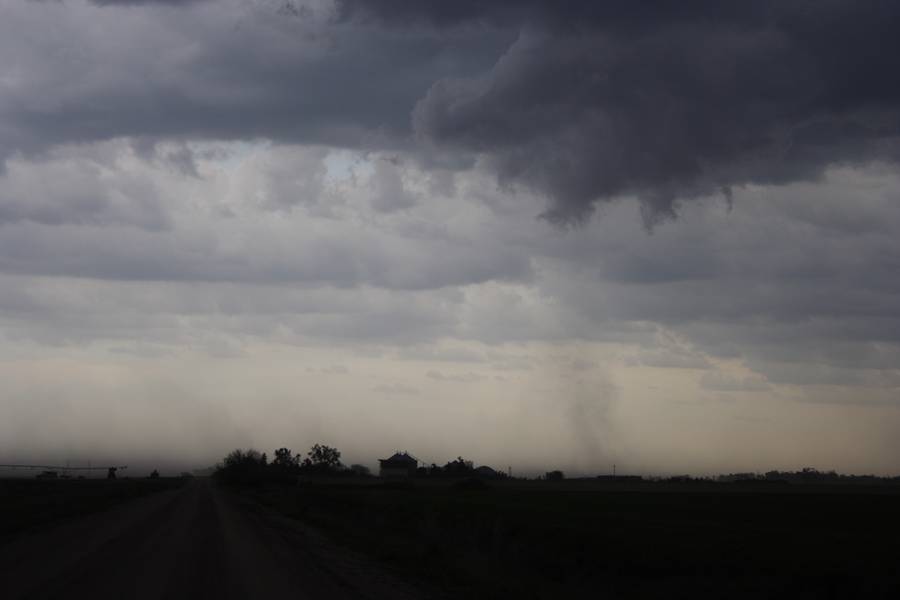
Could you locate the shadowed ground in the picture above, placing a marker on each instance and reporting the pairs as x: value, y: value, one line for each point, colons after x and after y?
x: 196, y: 541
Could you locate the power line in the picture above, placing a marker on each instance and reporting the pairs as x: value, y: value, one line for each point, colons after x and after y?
x: 58, y: 468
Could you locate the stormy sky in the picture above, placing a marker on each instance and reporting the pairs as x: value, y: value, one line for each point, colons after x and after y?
x: 537, y: 234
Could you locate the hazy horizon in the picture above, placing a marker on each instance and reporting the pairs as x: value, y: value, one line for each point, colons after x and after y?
x: 537, y: 235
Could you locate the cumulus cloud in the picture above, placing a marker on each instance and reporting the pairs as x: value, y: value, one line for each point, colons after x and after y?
x: 72, y: 188
x: 389, y: 193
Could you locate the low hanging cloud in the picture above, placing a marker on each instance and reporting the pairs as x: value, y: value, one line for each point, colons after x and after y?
x: 665, y: 102
x: 580, y: 101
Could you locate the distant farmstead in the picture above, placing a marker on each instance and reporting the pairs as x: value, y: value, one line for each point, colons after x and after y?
x: 401, y: 464
x: 486, y: 473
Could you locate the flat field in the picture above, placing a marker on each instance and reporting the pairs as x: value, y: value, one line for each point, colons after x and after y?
x: 26, y: 504
x: 589, y: 539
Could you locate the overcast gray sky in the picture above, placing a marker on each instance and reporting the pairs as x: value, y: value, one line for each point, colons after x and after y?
x: 537, y: 234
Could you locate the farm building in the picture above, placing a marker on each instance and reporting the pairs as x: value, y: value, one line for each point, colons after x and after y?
x: 401, y: 464
x: 486, y: 472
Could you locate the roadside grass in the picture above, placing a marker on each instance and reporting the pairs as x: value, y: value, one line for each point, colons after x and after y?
x: 577, y: 539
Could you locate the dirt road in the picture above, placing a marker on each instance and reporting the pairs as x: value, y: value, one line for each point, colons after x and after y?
x: 193, y: 542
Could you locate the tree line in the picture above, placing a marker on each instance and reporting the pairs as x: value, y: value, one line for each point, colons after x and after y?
x: 250, y: 466
x: 247, y: 467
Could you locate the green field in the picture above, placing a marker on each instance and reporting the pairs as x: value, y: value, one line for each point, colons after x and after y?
x: 583, y: 539
x: 26, y: 504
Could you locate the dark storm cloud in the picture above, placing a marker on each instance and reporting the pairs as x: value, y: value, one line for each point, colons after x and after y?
x: 76, y: 72
x: 800, y: 276
x: 142, y: 2
x: 582, y: 101
x: 505, y: 12
x: 663, y: 100
x: 173, y: 3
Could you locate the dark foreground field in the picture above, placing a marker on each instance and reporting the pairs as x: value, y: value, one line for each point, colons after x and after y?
x: 361, y: 538
x: 27, y: 504
x: 577, y: 539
